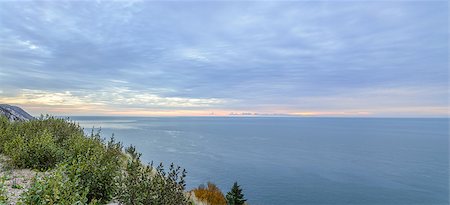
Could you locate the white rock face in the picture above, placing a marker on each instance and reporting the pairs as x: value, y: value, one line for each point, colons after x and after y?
x: 14, y: 113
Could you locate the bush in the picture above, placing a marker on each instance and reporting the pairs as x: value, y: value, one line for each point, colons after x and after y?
x: 90, y: 177
x: 7, y: 131
x: 42, y: 144
x: 3, y: 191
x: 60, y: 129
x: 4, y: 126
x: 146, y: 185
x: 210, y: 194
x: 99, y: 165
x: 37, y: 144
x: 88, y: 169
x: 38, y: 152
x: 62, y: 186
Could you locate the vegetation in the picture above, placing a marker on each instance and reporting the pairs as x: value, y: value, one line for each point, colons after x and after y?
x: 62, y: 186
x: 84, y: 169
x: 235, y: 195
x: 38, y: 151
x: 3, y: 196
x: 147, y: 185
x: 210, y: 194
x: 37, y: 144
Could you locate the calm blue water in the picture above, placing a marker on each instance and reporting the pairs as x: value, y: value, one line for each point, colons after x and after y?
x: 299, y: 160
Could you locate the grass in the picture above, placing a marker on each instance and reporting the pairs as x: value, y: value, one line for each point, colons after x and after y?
x: 15, y: 185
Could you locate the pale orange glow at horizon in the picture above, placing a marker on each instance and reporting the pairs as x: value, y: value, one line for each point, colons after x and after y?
x: 67, y: 104
x: 92, y: 110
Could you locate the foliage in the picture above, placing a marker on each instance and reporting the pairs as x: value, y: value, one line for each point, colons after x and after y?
x: 3, y: 191
x: 4, y: 131
x: 15, y: 185
x: 39, y: 151
x: 210, y: 194
x: 62, y: 186
x: 61, y: 129
x: 87, y: 169
x: 43, y: 143
x: 235, y: 195
x: 81, y: 181
x: 99, y: 165
x: 37, y: 144
x: 142, y: 184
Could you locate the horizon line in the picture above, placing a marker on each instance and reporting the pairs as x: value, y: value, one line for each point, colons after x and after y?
x: 255, y: 116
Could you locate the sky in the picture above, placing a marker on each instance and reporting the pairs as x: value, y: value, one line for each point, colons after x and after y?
x: 226, y: 58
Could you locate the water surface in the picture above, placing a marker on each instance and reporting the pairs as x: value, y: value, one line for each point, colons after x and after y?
x: 299, y: 160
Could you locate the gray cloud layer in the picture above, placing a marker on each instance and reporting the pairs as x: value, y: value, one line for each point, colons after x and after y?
x: 270, y: 57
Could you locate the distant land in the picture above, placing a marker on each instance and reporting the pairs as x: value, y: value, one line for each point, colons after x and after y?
x: 14, y: 113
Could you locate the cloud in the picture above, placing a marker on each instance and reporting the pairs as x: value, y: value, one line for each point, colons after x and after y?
x: 194, y: 54
x: 109, y: 99
x: 398, y: 101
x: 264, y: 57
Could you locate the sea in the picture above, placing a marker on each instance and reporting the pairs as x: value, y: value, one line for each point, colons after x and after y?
x: 289, y: 160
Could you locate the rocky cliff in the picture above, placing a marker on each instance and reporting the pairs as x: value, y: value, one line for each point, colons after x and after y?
x: 14, y: 113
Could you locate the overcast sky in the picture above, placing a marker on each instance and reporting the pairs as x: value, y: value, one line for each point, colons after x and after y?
x: 377, y: 58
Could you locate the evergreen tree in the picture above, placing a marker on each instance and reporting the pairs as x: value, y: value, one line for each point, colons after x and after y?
x: 235, y: 196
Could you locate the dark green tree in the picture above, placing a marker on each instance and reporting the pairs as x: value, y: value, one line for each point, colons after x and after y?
x: 235, y: 196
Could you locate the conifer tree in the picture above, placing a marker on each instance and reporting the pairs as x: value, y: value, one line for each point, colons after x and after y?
x: 235, y: 196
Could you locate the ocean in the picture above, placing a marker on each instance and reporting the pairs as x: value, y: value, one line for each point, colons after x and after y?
x: 287, y: 160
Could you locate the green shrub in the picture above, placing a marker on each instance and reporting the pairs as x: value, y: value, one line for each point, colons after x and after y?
x: 4, y: 126
x: 79, y: 182
x: 3, y: 191
x: 7, y: 131
x: 16, y: 150
x: 99, y: 165
x: 60, y: 129
x: 38, y: 152
x: 62, y: 186
x: 147, y: 185
x: 88, y: 169
x: 37, y: 144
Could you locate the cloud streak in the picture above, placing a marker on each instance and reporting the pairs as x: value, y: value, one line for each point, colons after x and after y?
x: 373, y: 58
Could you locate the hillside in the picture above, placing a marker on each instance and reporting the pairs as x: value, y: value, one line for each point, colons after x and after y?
x: 14, y: 113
